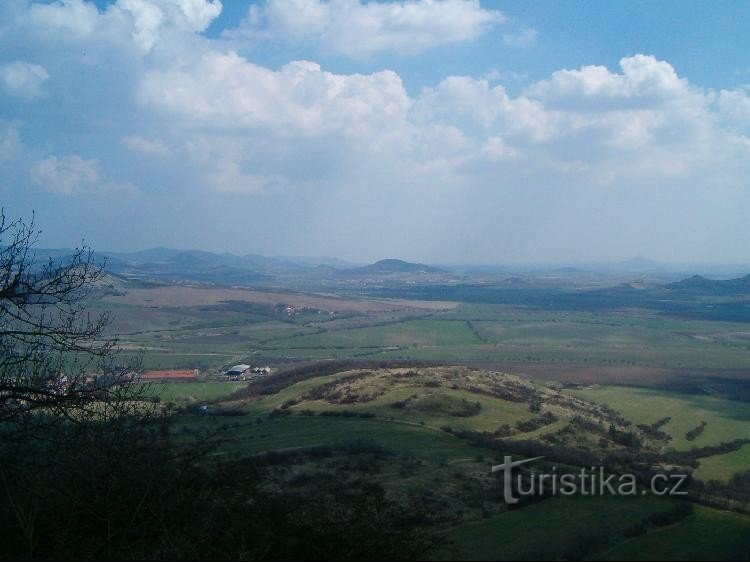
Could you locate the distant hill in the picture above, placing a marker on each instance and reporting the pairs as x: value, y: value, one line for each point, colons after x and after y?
x: 392, y: 266
x: 697, y: 284
x: 694, y: 282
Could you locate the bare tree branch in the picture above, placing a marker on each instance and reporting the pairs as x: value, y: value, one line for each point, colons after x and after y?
x: 55, y: 357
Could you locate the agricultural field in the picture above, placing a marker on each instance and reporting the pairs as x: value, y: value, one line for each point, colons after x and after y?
x: 208, y: 328
x: 447, y: 390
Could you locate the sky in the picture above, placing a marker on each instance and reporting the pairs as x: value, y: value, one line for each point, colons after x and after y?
x: 439, y: 131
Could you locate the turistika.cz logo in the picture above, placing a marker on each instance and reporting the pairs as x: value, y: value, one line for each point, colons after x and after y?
x: 587, y: 482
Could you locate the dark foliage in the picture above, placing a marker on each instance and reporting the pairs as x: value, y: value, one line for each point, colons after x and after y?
x: 124, y: 490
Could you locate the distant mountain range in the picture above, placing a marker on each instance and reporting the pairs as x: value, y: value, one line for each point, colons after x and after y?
x: 170, y: 265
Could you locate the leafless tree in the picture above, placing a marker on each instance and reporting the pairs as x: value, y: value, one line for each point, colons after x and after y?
x: 62, y: 381
x: 56, y: 360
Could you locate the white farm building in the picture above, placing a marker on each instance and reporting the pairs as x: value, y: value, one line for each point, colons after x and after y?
x: 238, y: 370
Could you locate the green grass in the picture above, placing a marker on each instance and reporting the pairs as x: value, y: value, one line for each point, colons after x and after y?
x: 192, y: 391
x: 432, y: 333
x: 723, y: 467
x: 553, y: 529
x: 272, y: 401
x: 708, y: 534
x: 286, y: 432
x: 493, y: 412
x: 727, y: 420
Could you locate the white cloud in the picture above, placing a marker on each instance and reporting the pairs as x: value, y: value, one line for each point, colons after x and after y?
x: 10, y: 141
x: 495, y: 148
x: 74, y: 19
x: 74, y: 175
x: 458, y: 99
x: 522, y: 38
x: 199, y: 13
x: 23, y: 79
x: 147, y: 21
x: 299, y: 99
x: 154, y: 147
x: 150, y: 17
x: 144, y: 22
x: 643, y: 123
x: 602, y: 125
x: 359, y: 29
x: 229, y: 177
x: 645, y: 82
x: 220, y: 163
x: 734, y: 106
x: 67, y: 175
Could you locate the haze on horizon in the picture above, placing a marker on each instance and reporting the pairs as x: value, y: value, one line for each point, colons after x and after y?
x: 436, y: 131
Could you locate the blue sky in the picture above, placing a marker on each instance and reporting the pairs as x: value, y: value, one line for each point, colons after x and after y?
x: 447, y: 131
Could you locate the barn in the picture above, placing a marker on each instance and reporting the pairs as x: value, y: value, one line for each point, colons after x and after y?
x: 238, y: 371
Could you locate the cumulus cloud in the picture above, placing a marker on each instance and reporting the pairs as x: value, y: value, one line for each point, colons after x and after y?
x: 151, y: 16
x: 359, y: 29
x: 463, y: 99
x: 198, y: 13
x: 644, y: 82
x: 644, y: 122
x: 144, y: 22
x: 23, y: 79
x: 298, y: 99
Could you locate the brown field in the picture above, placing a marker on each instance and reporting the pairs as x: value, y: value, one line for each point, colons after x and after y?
x: 177, y: 296
x: 170, y: 374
